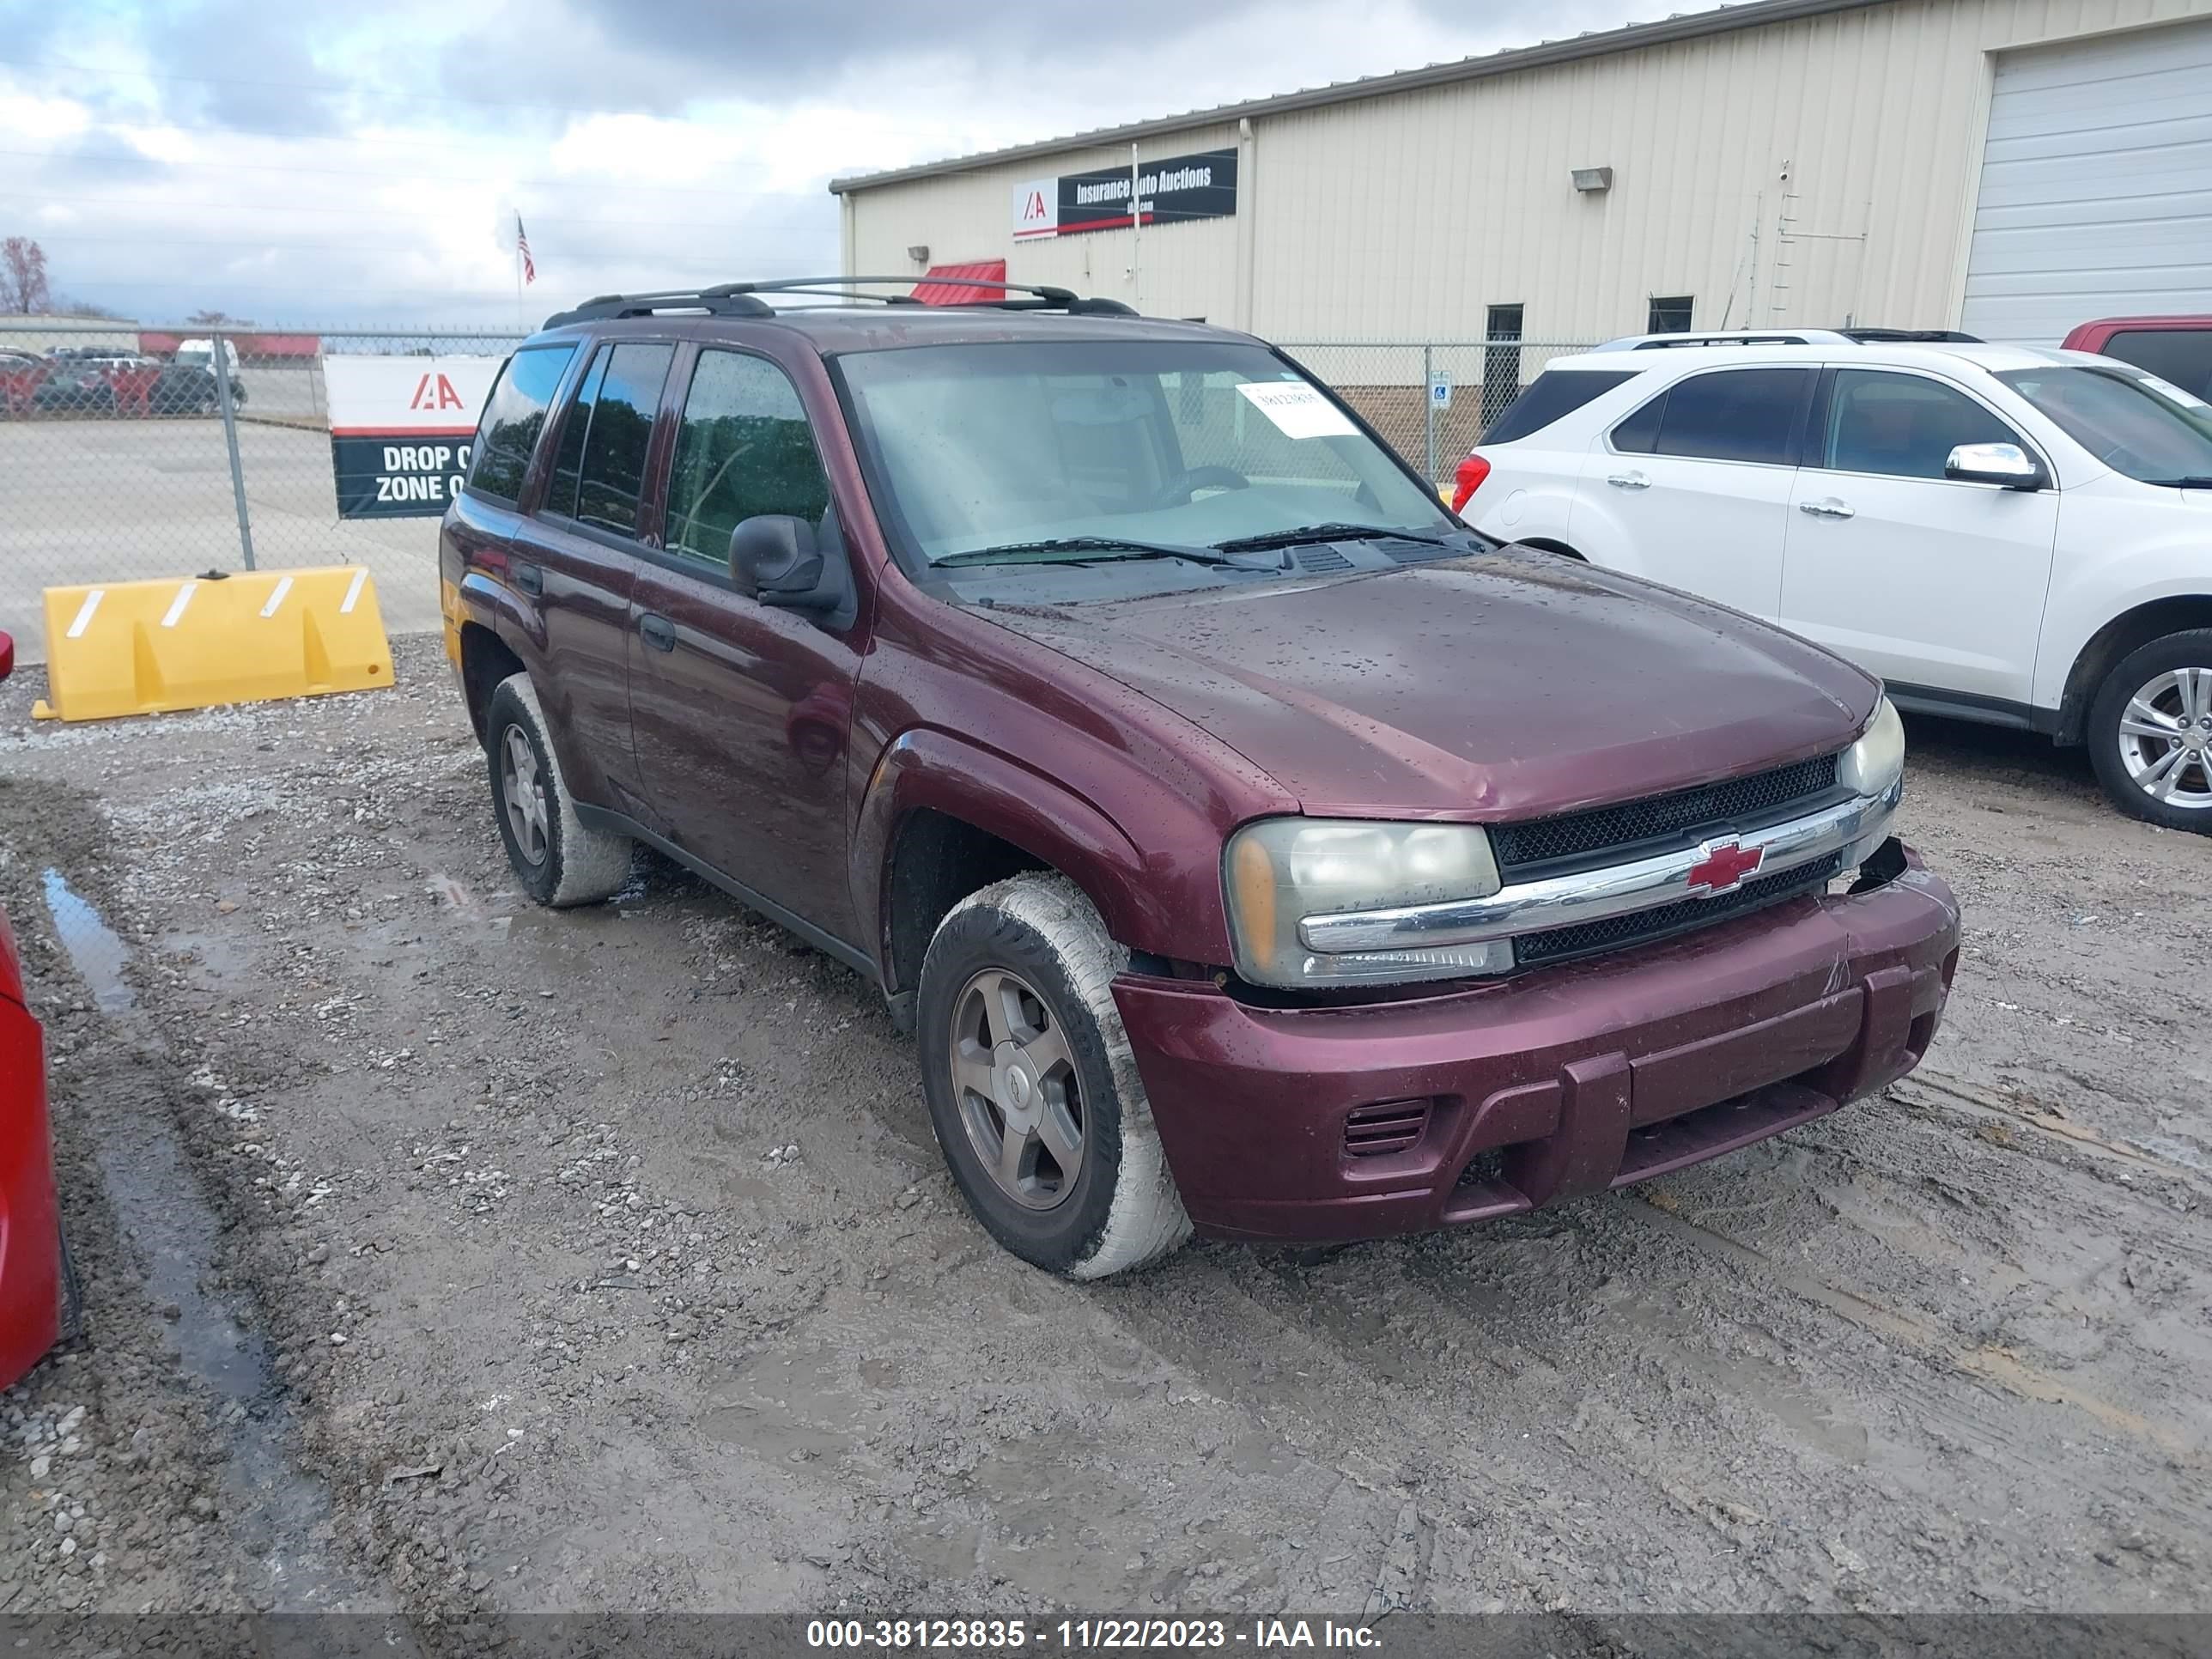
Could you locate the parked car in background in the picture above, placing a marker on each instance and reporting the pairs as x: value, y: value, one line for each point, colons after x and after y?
x: 190, y: 389
x: 1250, y: 844
x: 200, y: 354
x: 2175, y: 348
x: 72, y: 386
x: 31, y: 1276
x: 20, y: 374
x: 2003, y: 533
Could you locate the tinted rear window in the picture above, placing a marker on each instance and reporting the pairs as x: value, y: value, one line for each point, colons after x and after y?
x: 2183, y: 356
x: 612, y: 488
x: 513, y: 415
x: 1731, y: 415
x: 1556, y: 393
x: 598, y: 476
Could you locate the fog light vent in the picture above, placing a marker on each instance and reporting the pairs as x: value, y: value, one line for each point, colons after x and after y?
x: 1386, y: 1127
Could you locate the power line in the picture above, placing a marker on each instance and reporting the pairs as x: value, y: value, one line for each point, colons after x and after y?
x: 335, y: 89
x: 623, y: 185
x: 65, y: 239
x: 413, y: 295
x: 827, y: 209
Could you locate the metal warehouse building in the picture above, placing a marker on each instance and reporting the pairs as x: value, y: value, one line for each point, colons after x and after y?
x: 2007, y: 166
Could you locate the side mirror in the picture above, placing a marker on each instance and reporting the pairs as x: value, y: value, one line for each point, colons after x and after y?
x: 7, y: 655
x: 773, y: 559
x: 2006, y: 464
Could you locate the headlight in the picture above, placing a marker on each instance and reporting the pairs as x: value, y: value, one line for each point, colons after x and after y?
x: 1280, y: 871
x: 1872, y: 765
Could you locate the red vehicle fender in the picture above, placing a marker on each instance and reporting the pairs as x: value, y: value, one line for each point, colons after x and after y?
x: 931, y: 769
x: 30, y: 1233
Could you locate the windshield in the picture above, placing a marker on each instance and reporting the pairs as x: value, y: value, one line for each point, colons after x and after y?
x: 1141, y: 448
x: 2136, y: 423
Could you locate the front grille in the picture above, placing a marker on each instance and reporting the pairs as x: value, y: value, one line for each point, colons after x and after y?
x: 1638, y: 927
x: 1601, y: 829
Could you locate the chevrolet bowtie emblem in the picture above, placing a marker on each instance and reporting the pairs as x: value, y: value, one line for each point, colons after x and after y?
x: 1724, y: 865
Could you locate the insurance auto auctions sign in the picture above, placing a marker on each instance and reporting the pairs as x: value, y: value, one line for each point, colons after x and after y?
x: 1181, y: 187
x: 400, y: 430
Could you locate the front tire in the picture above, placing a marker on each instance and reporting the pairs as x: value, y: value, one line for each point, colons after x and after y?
x: 2150, y: 732
x: 1032, y: 1087
x: 559, y: 862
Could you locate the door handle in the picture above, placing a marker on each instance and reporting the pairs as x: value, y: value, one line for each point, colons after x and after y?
x: 658, y: 632
x: 530, y: 578
x: 1830, y: 509
x: 1628, y: 481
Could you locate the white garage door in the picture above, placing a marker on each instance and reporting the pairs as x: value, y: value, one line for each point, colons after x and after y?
x: 2096, y: 191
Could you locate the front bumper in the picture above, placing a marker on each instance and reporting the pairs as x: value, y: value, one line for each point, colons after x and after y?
x: 1564, y: 1081
x: 30, y: 1235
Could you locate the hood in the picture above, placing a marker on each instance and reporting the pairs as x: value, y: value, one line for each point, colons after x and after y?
x: 1504, y: 685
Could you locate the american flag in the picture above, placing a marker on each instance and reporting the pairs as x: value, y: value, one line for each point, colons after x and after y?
x: 522, y: 246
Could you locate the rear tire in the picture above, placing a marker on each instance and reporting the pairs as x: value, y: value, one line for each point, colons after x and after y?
x: 2150, y: 732
x: 558, y: 860
x: 1049, y: 1137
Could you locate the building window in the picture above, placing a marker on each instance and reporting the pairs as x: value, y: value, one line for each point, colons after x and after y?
x: 1670, y: 315
x: 1501, y: 362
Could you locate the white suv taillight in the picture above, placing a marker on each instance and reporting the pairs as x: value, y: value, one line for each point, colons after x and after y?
x: 1468, y: 479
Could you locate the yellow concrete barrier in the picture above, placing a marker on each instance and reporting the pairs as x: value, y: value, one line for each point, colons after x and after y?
x: 250, y: 636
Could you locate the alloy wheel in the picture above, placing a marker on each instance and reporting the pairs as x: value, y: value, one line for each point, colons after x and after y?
x: 1015, y: 1084
x: 523, y: 783
x: 2165, y: 738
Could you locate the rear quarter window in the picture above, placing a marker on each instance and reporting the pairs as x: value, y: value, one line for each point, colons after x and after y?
x: 513, y: 415
x: 1722, y: 414
x: 1555, y: 394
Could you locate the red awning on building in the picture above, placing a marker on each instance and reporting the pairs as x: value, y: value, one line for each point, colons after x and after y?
x: 955, y: 285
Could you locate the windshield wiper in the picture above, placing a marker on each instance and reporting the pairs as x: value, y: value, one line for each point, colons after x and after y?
x: 1328, y: 532
x: 1078, y: 549
x: 2190, y: 482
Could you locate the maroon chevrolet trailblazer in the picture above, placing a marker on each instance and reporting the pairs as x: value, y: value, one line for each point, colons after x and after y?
x: 1250, y: 844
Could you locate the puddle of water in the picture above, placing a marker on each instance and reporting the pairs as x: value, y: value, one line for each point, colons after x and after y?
x: 93, y: 947
x: 276, y: 1508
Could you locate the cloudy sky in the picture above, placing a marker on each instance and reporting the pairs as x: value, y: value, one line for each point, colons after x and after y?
x: 297, y: 161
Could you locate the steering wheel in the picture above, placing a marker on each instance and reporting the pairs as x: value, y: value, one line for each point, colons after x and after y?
x: 1200, y: 478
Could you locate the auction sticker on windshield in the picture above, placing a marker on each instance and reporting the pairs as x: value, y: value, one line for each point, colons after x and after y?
x: 1296, y: 408
x: 2173, y: 393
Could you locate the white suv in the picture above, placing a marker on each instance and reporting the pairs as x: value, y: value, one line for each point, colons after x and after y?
x: 2002, y: 533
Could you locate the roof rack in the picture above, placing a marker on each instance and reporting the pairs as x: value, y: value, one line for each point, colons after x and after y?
x: 741, y: 299
x: 1796, y: 336
x: 1912, y: 337
x: 1675, y: 342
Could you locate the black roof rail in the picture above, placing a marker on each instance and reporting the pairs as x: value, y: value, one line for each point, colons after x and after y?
x: 741, y: 298
x: 1912, y: 337
x: 724, y: 301
x: 1034, y: 297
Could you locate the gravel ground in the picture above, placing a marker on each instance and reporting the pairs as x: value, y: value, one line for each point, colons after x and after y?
x: 445, y: 1257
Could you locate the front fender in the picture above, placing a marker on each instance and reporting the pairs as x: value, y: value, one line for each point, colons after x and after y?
x: 930, y: 769
x: 2089, y: 588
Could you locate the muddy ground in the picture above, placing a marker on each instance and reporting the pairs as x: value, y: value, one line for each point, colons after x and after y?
x: 446, y: 1257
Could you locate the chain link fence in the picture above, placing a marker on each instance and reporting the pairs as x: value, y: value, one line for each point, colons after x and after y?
x: 130, y: 452
x: 1431, y: 401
